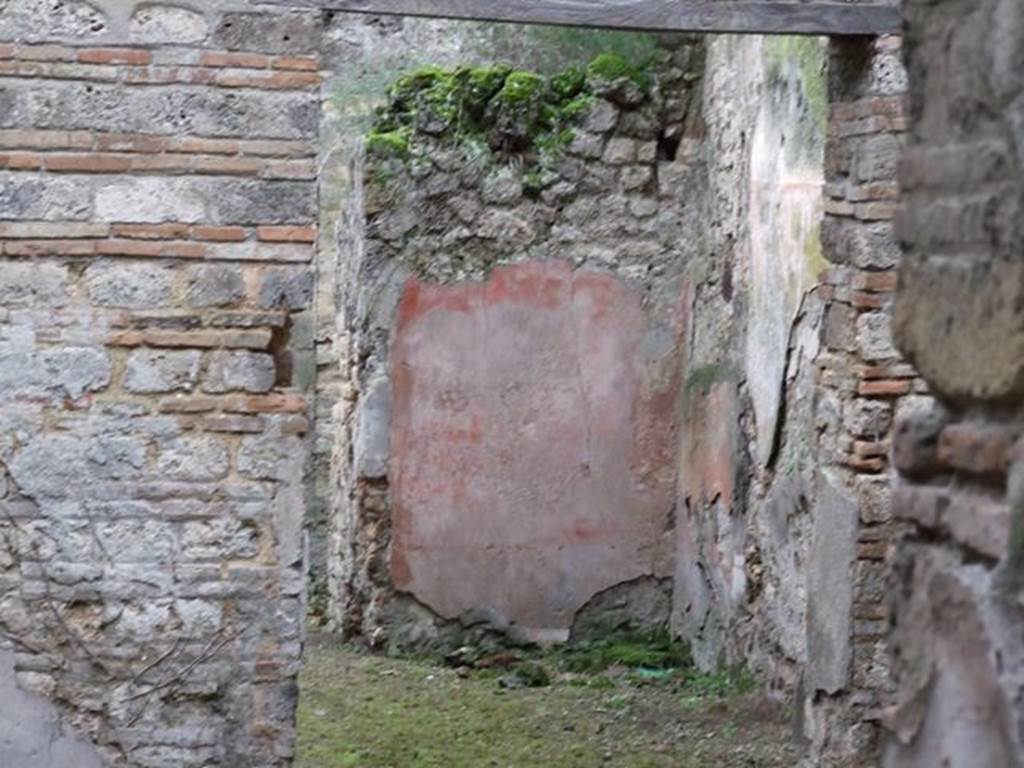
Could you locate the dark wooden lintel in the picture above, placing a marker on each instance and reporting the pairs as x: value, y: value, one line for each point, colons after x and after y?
x: 787, y: 17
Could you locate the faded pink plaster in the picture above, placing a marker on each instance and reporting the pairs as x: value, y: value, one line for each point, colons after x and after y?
x: 532, y: 444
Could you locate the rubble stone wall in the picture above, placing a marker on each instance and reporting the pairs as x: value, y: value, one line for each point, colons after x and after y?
x: 516, y: 335
x: 157, y: 224
x: 955, y: 588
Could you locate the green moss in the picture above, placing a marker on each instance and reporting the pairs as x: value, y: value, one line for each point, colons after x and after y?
x: 702, y: 378
x: 654, y: 652
x: 495, y: 108
x: 807, y: 55
x: 387, y: 144
x: 520, y: 87
x: 609, y: 66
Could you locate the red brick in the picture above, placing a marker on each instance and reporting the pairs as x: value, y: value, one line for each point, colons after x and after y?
x: 884, y: 388
x: 287, y: 234
x: 207, y: 146
x: 57, y: 230
x: 294, y: 425
x: 21, y: 161
x: 859, y: 464
x: 870, y: 448
x: 131, y: 142
x: 254, y: 338
x: 898, y: 371
x: 878, y: 282
x: 863, y: 300
x: 874, y: 550
x: 219, y: 234
x: 290, y: 169
x: 6, y: 51
x: 89, y: 163
x: 161, y: 163
x: 28, y: 139
x: 298, y: 63
x: 150, y: 231
x: 44, y: 53
x: 154, y: 248
x: 228, y: 59
x: 232, y: 166
x: 273, y: 403
x: 188, y: 404
x: 976, y: 448
x: 273, y: 81
x: 50, y: 248
x: 114, y: 56
x: 223, y: 422
x: 875, y: 211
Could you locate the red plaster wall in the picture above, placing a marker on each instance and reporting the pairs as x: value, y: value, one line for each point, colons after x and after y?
x: 532, y: 443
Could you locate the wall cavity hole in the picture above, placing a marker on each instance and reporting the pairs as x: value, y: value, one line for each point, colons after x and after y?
x: 283, y: 362
x: 668, y: 146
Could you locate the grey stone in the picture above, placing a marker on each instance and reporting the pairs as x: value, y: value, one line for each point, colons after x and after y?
x: 586, y: 145
x: 221, y: 538
x: 505, y: 186
x: 38, y: 284
x: 31, y: 732
x: 287, y: 288
x: 246, y: 371
x: 278, y: 32
x: 77, y: 370
x: 868, y: 418
x: 268, y: 456
x: 214, y: 112
x: 874, y: 336
x: 151, y: 371
x: 636, y: 177
x: 372, y: 433
x: 159, y: 23
x: 620, y: 151
x: 214, y: 285
x: 194, y: 459
x: 131, y: 286
x: 830, y: 586
x: 602, y: 117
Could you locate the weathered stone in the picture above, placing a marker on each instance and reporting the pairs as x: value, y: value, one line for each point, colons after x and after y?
x: 214, y: 285
x: 160, y: 23
x: 502, y: 187
x: 288, y: 288
x: 874, y: 336
x: 40, y: 285
x: 151, y: 371
x: 193, y: 459
x: 239, y: 371
x: 297, y: 32
x: 131, y: 286
x: 77, y: 370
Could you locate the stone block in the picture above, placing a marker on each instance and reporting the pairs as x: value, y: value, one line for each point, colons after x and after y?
x: 239, y: 371
x: 286, y: 288
x: 35, y: 284
x: 214, y: 285
x: 502, y: 187
x: 372, y: 433
x: 76, y: 370
x: 916, y: 437
x: 874, y: 336
x: 165, y: 23
x: 193, y: 459
x: 150, y: 371
x: 65, y: 105
x: 620, y: 151
x: 868, y: 418
x: 270, y: 32
x: 128, y: 286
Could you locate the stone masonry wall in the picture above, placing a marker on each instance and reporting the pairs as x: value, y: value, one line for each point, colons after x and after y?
x: 957, y: 625
x: 784, y: 513
x: 465, y: 515
x: 157, y: 219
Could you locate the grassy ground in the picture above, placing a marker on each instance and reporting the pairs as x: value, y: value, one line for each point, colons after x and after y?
x: 621, y: 708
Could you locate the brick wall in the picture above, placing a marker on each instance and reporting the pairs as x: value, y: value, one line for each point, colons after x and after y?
x: 862, y: 385
x: 956, y: 582
x: 157, y: 227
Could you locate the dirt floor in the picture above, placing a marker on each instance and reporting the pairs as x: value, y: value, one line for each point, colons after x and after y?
x: 614, y: 706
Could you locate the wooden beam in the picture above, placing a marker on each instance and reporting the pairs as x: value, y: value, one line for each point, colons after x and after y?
x: 810, y: 17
